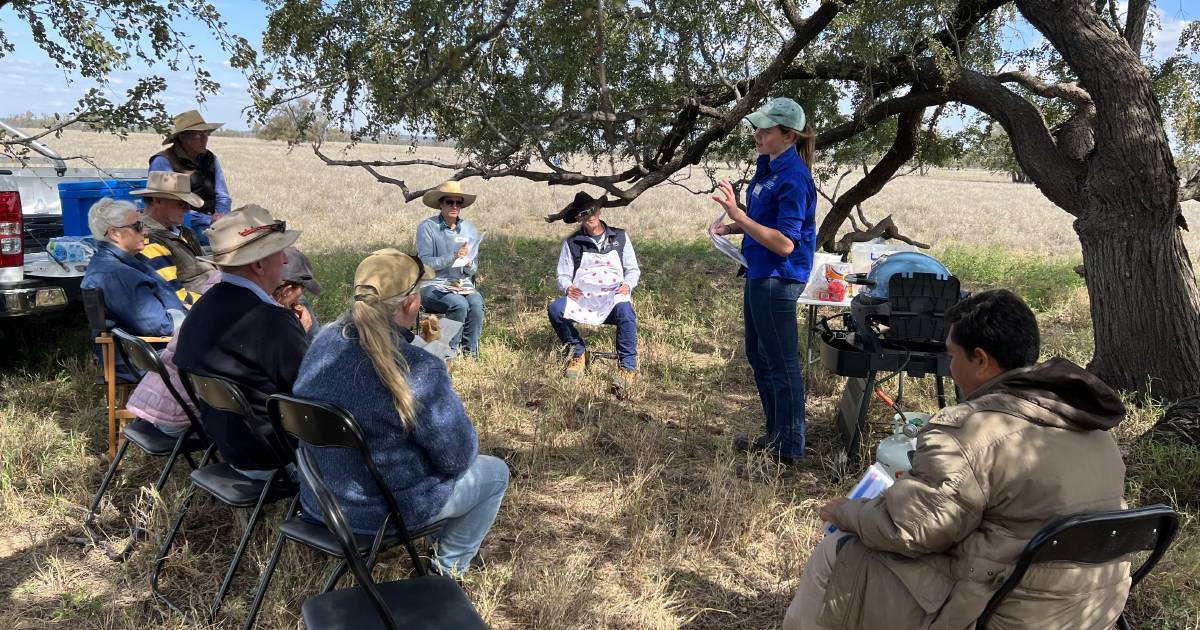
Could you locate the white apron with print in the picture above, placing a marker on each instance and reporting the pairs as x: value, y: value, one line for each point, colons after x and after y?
x: 598, y: 277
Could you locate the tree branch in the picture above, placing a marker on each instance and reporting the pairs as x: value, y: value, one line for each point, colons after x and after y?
x: 901, y: 151
x: 1067, y: 91
x: 1135, y: 24
x: 1191, y: 190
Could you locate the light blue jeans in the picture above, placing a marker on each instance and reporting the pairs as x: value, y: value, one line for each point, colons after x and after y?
x: 469, y: 512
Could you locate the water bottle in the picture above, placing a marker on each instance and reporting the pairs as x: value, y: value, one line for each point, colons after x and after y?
x: 893, y: 452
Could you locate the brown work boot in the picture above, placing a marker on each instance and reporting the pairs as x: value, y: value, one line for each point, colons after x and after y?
x: 576, y: 366
x: 624, y: 378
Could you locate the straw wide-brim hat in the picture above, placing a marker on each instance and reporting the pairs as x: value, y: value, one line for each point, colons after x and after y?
x: 246, y: 235
x: 168, y: 185
x: 191, y: 120
x: 433, y: 198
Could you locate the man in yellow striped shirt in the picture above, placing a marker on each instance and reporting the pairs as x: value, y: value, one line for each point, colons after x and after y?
x: 171, y: 247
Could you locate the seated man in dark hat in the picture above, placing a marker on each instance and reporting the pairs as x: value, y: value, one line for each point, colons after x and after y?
x: 298, y: 276
x: 237, y: 331
x: 597, y: 272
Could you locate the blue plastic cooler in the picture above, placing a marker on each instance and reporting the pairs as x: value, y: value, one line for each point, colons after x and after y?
x: 77, y: 199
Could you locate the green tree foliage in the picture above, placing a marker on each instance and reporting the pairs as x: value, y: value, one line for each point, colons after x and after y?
x: 295, y: 123
x: 645, y: 90
x: 95, y: 38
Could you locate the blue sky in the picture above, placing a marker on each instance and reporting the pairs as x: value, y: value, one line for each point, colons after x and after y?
x: 46, y: 89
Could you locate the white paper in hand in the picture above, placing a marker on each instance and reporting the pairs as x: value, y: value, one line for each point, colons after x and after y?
x: 872, y: 484
x: 472, y: 253
x: 724, y: 245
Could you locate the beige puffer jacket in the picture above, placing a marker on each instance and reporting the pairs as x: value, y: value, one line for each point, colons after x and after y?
x: 1027, y: 448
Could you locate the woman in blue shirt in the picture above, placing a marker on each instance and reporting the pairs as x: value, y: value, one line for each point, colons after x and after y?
x: 441, y: 240
x: 779, y: 228
x: 136, y: 299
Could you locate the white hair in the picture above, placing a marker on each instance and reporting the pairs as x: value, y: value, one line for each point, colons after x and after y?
x: 108, y: 213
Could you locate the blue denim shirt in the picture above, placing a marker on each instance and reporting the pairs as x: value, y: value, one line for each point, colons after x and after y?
x: 436, y: 245
x: 222, y: 202
x: 782, y: 196
x: 136, y: 298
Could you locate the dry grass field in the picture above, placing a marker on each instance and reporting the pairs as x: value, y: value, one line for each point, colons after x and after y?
x: 622, y: 513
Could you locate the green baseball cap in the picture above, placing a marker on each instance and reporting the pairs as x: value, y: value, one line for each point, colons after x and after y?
x: 778, y: 112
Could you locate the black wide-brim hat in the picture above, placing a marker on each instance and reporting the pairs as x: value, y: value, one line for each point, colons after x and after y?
x: 583, y: 204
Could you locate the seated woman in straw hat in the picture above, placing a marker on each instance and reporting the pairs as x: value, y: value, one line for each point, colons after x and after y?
x: 136, y: 299
x: 188, y: 153
x: 441, y: 240
x: 421, y: 438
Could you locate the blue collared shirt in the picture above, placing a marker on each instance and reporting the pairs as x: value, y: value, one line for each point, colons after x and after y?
x: 246, y: 284
x: 436, y: 244
x: 222, y: 202
x: 782, y: 196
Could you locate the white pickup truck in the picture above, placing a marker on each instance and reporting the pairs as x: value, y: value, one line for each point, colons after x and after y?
x: 31, y: 281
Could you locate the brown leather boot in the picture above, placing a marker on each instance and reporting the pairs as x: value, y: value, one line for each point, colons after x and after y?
x: 624, y: 378
x: 576, y: 366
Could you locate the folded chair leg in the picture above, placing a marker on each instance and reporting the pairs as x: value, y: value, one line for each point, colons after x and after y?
x: 166, y: 549
x: 136, y: 530
x: 335, y: 576
x: 89, y: 523
x: 264, y: 582
x: 241, y: 550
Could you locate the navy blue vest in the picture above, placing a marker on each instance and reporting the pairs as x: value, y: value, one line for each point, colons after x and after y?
x: 581, y: 242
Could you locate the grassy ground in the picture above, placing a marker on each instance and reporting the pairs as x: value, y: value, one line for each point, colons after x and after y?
x: 621, y: 513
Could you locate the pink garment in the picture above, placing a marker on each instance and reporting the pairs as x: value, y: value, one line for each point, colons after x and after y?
x: 151, y: 401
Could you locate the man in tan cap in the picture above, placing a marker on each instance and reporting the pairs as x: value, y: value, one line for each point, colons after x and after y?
x: 237, y: 331
x: 172, y: 248
x: 188, y: 153
x: 444, y: 242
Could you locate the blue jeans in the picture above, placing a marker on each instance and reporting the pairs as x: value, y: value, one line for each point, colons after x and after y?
x: 772, y: 348
x: 199, y: 222
x: 469, y: 512
x: 467, y: 309
x: 622, y: 316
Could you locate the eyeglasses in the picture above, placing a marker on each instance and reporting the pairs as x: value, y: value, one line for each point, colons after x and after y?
x: 278, y: 226
x: 136, y: 225
x: 454, y: 202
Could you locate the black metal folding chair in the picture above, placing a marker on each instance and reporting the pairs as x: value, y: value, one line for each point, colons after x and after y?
x: 227, y: 485
x: 326, y: 425
x: 149, y: 439
x: 1095, y: 538
x: 431, y: 602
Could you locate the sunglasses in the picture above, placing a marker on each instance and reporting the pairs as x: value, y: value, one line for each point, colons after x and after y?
x: 136, y: 225
x: 420, y: 275
x: 278, y: 226
x: 454, y: 202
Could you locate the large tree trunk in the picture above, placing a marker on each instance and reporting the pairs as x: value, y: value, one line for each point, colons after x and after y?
x: 1145, y: 319
x: 1144, y: 304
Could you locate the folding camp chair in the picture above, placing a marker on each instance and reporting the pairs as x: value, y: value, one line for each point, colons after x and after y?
x: 325, y: 425
x: 1095, y: 538
x: 431, y: 602
x: 226, y: 484
x: 147, y: 437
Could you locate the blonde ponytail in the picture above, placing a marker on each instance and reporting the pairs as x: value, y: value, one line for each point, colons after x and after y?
x: 381, y: 340
x: 806, y: 144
